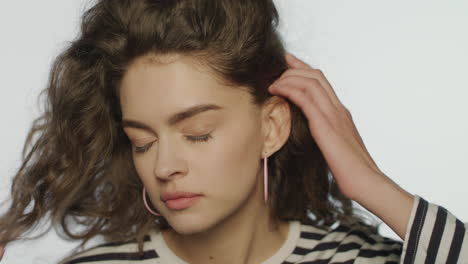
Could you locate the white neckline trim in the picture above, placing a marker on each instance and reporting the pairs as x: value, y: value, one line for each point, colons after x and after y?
x: 288, y: 246
x: 167, y: 255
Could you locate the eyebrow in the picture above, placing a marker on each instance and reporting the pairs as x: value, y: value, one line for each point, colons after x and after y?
x: 175, y: 118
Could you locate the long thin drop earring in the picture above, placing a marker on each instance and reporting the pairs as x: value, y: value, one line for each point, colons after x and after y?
x: 265, y: 177
x: 146, y: 203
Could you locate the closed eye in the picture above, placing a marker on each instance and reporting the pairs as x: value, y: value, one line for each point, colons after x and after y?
x: 191, y: 139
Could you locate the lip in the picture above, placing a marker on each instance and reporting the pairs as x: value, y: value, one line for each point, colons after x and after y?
x: 176, y: 195
x: 181, y: 203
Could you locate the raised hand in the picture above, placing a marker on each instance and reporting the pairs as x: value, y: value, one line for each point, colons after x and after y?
x: 332, y: 127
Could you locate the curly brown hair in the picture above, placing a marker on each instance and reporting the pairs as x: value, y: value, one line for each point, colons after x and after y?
x: 77, y: 164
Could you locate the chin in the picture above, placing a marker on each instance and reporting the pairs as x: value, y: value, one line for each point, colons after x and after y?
x: 187, y: 224
x: 187, y: 228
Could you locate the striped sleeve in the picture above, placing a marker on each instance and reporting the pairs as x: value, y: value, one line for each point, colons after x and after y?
x: 434, y: 235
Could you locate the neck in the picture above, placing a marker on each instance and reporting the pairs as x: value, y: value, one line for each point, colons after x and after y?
x: 249, y: 236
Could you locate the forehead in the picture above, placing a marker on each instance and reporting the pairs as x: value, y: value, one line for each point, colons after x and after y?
x: 167, y: 84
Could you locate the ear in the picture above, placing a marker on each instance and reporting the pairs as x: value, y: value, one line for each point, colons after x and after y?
x: 276, y: 124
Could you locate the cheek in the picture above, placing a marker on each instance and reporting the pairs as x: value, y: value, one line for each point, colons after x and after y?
x: 231, y: 163
x: 143, y: 167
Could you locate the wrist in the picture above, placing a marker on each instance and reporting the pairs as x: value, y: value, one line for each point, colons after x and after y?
x: 388, y: 201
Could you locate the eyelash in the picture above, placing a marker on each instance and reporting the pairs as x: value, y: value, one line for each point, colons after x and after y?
x: 192, y: 139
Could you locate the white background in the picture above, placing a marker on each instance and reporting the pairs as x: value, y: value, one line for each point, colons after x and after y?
x: 399, y: 66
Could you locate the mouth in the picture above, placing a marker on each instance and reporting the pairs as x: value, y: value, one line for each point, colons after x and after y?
x: 182, y: 202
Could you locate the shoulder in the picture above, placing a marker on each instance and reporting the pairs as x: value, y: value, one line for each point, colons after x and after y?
x: 345, y: 244
x: 110, y: 252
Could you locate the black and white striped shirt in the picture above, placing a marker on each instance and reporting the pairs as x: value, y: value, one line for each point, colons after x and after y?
x: 433, y: 235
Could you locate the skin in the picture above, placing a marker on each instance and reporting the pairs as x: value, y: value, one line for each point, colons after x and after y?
x: 230, y: 222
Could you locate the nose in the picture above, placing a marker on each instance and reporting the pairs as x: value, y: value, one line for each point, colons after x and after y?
x: 168, y: 162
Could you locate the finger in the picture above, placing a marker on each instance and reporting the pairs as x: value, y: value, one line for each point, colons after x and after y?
x: 311, y: 90
x: 311, y: 111
x: 314, y: 74
x: 295, y: 62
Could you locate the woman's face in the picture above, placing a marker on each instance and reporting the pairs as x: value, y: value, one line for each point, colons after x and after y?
x: 223, y: 165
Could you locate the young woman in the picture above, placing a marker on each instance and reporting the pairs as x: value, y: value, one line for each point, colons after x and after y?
x: 182, y: 132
